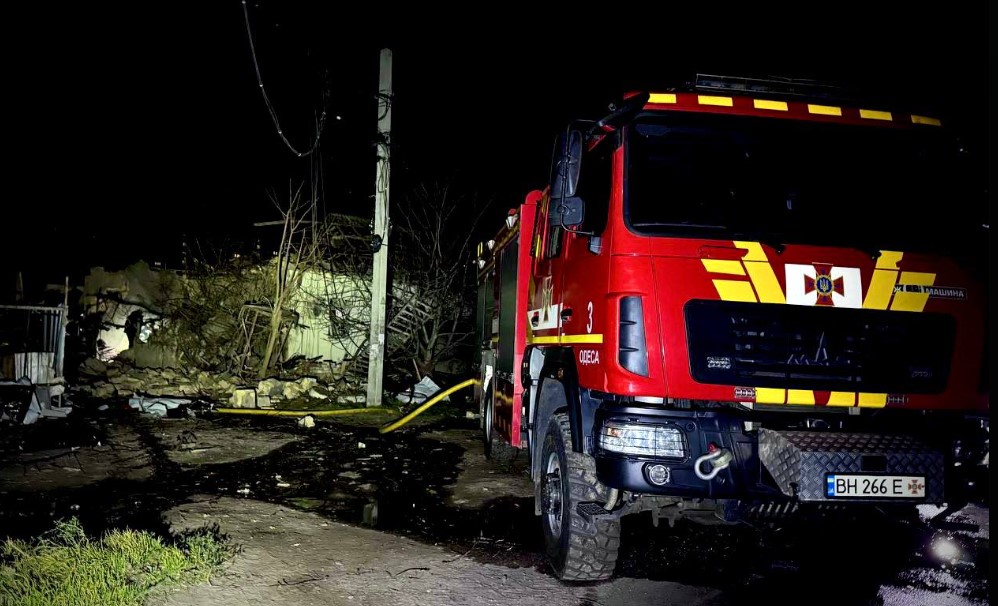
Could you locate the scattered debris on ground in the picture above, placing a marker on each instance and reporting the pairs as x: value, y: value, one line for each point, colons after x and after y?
x: 268, y: 481
x: 104, y: 380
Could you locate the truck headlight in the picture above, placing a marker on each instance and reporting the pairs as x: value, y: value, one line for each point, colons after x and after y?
x: 644, y: 440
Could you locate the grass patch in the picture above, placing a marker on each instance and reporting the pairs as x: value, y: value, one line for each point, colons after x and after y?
x: 66, y: 568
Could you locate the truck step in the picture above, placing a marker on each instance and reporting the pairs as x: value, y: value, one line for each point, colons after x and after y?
x: 591, y: 511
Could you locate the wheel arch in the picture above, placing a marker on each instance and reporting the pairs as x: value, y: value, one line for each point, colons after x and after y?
x: 557, y: 391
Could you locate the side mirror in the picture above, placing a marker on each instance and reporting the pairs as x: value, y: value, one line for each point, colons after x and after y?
x: 567, y: 212
x: 566, y: 165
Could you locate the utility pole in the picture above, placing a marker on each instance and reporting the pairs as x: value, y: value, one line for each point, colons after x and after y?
x: 379, y: 285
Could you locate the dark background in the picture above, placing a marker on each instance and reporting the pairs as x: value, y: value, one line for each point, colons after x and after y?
x: 132, y: 128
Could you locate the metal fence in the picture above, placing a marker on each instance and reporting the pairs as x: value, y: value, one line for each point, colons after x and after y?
x: 32, y: 342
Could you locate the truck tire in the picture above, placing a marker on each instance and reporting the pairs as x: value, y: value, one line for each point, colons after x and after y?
x: 496, y: 449
x: 579, y: 549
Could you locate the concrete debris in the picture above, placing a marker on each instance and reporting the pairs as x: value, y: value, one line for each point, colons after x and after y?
x: 104, y: 390
x: 270, y: 387
x: 292, y: 391
x: 112, y: 379
x: 308, y: 422
x: 92, y: 367
x: 156, y: 406
x: 357, y: 399
x: 244, y: 398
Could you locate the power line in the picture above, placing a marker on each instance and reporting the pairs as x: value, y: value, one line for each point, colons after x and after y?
x: 270, y: 108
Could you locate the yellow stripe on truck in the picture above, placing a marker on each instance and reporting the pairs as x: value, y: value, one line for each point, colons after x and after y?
x: 841, y: 398
x: 761, y: 273
x: 735, y: 290
x: 824, y: 110
x: 800, y: 396
x: 721, y: 266
x: 753, y: 250
x: 595, y: 339
x: 925, y: 120
x: 779, y: 106
x: 912, y: 301
x: 662, y: 98
x: 872, y: 114
x: 873, y: 400
x: 768, y: 395
x: 765, y: 282
x: 878, y: 296
x: 711, y: 100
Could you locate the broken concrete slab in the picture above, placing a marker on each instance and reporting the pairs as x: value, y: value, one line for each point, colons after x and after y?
x: 156, y: 406
x: 92, y: 367
x: 244, y: 398
x: 104, y: 390
x: 290, y: 391
x: 271, y: 387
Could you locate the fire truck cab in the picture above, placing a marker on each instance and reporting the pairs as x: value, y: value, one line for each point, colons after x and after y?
x: 735, y: 300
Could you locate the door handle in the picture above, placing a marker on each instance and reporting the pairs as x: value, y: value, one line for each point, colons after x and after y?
x: 566, y: 314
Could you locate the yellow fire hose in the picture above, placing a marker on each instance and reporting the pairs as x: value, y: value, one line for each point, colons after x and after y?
x: 295, y: 413
x: 350, y: 411
x: 412, y: 415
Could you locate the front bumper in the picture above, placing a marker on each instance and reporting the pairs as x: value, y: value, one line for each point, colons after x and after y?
x: 799, y: 461
x: 780, y: 461
x: 725, y: 429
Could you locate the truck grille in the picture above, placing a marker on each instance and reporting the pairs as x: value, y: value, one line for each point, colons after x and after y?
x: 818, y: 348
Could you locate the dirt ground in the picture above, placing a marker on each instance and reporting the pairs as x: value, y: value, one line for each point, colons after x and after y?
x: 92, y: 456
x: 340, y: 514
x: 295, y: 557
x: 482, y: 480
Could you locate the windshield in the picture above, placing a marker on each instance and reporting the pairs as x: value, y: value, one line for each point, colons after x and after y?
x: 786, y: 181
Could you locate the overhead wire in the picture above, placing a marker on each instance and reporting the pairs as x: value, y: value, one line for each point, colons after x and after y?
x: 270, y: 107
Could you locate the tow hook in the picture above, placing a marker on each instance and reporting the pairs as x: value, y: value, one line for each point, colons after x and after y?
x: 719, y: 459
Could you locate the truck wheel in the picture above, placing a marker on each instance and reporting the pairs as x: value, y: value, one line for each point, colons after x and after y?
x: 578, y: 549
x: 496, y: 448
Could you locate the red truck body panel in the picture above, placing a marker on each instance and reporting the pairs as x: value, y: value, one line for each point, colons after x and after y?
x: 572, y: 298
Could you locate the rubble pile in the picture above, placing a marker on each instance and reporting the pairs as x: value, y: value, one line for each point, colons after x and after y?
x: 110, y: 380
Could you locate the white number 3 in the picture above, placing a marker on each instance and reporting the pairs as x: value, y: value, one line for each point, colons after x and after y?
x: 589, y: 324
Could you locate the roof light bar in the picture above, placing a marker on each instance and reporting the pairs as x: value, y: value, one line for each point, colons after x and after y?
x: 787, y: 86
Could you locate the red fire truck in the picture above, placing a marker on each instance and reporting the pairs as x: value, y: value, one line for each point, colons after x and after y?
x: 736, y: 299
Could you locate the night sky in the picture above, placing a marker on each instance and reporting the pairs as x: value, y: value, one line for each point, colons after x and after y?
x: 132, y: 126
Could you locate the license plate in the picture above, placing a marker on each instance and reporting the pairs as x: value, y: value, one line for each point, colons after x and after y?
x: 858, y: 486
